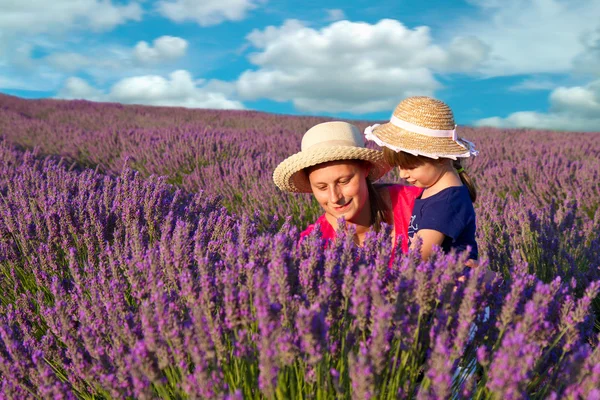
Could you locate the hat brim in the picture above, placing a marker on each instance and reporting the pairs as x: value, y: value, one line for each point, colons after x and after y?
x: 289, y: 175
x: 398, y: 139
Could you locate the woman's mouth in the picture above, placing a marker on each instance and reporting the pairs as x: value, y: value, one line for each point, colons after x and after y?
x: 343, y: 208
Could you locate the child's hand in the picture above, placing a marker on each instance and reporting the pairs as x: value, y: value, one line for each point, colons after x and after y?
x: 489, y: 275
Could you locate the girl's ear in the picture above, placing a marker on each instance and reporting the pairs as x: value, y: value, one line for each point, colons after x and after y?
x: 444, y: 161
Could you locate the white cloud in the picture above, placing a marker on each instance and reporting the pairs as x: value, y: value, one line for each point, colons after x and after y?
x: 350, y: 66
x: 464, y: 54
x: 179, y: 89
x: 103, y: 62
x: 20, y: 57
x: 77, y: 88
x: 585, y: 101
x: 19, y: 70
x: 69, y: 62
x: 206, y: 12
x: 165, y: 48
x: 542, y: 36
x: 41, y: 16
x: 571, y: 108
x: 588, y: 61
x: 335, y: 14
x: 2, y: 46
x: 43, y: 83
x: 533, y: 84
x: 109, y: 62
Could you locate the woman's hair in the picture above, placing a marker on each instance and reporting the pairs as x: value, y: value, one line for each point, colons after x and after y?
x: 409, y: 161
x: 380, y: 212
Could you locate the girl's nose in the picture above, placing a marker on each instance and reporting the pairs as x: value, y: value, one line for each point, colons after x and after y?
x: 404, y: 173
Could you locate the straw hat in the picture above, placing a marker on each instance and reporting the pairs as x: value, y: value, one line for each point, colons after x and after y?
x: 422, y: 126
x: 329, y: 141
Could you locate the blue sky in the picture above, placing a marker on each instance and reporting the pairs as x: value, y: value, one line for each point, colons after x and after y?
x: 506, y: 63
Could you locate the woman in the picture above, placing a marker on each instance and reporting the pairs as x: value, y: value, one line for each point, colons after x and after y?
x: 336, y: 167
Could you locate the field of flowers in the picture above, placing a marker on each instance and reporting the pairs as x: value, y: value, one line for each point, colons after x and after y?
x: 145, y: 252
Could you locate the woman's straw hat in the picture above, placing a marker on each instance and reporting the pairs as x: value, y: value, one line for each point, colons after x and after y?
x: 329, y: 141
x: 422, y: 126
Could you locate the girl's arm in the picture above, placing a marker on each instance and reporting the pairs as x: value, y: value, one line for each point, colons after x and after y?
x: 429, y: 237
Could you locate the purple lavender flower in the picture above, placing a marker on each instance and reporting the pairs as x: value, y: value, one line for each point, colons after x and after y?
x: 183, y: 276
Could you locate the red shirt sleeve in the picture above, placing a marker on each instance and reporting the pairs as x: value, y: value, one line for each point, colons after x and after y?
x: 403, y: 199
x: 327, y: 231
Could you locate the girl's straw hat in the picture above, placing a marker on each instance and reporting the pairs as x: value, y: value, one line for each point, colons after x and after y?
x: 329, y: 141
x: 422, y: 126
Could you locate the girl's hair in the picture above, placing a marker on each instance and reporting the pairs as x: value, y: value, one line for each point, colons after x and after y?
x: 409, y: 161
x: 466, y: 179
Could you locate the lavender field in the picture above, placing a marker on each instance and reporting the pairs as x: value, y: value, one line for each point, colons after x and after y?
x: 146, y: 253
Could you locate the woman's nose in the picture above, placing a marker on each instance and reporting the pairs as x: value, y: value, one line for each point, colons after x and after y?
x: 334, y: 194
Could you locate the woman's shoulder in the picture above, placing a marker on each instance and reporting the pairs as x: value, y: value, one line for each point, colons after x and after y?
x: 327, y: 231
x: 397, y: 190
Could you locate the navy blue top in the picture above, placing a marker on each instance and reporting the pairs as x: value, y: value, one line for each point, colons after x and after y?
x: 450, y: 212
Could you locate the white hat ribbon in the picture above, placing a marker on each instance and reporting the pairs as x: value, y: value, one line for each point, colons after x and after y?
x: 421, y: 130
x: 470, y: 147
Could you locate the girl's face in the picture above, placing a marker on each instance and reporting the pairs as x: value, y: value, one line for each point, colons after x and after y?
x: 424, y: 175
x: 341, y: 189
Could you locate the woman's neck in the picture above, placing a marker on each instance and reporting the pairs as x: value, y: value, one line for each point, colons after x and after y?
x: 361, y: 223
x: 361, y: 233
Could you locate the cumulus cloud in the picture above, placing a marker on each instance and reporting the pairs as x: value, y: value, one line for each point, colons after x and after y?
x: 574, y: 108
x: 464, y: 54
x: 77, y: 88
x: 335, y: 14
x: 41, y: 16
x: 109, y: 62
x: 533, y: 84
x: 69, y: 62
x: 543, y: 36
x: 584, y: 101
x: 19, y: 70
x: 178, y: 89
x: 206, y: 12
x: 588, y: 61
x: 20, y: 56
x: 164, y: 48
x: 350, y: 66
x: 2, y: 46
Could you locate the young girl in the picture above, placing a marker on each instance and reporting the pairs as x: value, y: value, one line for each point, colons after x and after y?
x: 421, y: 140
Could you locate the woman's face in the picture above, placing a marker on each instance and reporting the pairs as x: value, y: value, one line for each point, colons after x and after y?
x: 341, y: 189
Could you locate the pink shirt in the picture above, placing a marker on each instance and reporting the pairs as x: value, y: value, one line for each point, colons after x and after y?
x: 402, y: 198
